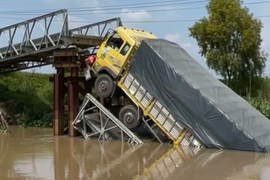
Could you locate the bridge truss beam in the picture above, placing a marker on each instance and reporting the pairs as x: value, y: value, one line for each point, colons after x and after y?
x: 24, y: 32
x: 31, y: 43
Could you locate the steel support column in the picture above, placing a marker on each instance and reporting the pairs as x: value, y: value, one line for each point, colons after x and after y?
x: 58, y: 111
x: 73, y: 101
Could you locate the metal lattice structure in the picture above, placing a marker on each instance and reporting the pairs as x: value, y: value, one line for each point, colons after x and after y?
x: 90, y: 104
x: 31, y: 43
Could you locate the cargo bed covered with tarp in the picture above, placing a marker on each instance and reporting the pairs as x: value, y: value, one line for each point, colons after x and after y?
x: 214, y: 114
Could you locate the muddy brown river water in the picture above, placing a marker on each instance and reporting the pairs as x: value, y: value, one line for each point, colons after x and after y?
x: 34, y: 154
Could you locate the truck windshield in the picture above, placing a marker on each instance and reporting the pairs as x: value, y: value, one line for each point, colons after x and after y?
x: 115, y: 41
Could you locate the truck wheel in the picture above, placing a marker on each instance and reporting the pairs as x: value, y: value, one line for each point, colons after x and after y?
x: 129, y: 116
x: 104, y: 86
x: 143, y: 131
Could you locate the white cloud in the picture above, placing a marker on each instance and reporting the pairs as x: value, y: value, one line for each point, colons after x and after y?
x: 138, y: 15
x: 172, y: 37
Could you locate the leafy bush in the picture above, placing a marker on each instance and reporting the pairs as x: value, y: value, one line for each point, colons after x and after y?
x: 261, y: 104
x: 28, y: 97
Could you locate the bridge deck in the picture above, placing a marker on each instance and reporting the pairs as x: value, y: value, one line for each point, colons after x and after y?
x: 31, y: 52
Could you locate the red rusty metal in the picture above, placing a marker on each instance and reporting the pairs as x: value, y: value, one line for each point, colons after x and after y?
x: 73, y: 101
x: 68, y: 58
x: 58, y: 110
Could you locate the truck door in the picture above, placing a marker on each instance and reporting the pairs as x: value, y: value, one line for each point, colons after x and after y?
x: 116, y: 52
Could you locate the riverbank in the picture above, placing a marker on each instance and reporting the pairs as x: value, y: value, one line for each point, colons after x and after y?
x: 4, y: 119
x: 27, y: 99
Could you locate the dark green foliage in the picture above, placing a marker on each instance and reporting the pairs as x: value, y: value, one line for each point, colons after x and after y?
x: 261, y: 104
x: 230, y: 40
x: 28, y: 98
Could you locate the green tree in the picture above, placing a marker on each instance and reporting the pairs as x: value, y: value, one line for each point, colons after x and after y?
x: 229, y: 38
x: 27, y: 97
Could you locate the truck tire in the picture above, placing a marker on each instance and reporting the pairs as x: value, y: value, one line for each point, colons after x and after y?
x: 143, y: 132
x: 130, y: 117
x: 104, y: 86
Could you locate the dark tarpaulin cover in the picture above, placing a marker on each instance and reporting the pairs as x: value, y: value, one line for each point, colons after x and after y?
x: 216, y: 115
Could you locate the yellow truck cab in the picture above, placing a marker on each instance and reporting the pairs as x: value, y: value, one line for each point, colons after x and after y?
x: 111, y: 64
x: 113, y: 55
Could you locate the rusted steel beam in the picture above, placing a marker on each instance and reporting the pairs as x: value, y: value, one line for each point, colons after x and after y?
x: 66, y: 64
x: 83, y: 40
x: 73, y: 101
x: 65, y: 52
x: 72, y: 89
x: 68, y: 58
x: 58, y: 110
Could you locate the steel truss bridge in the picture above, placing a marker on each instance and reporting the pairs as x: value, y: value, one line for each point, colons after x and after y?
x: 48, y: 40
x: 31, y: 43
